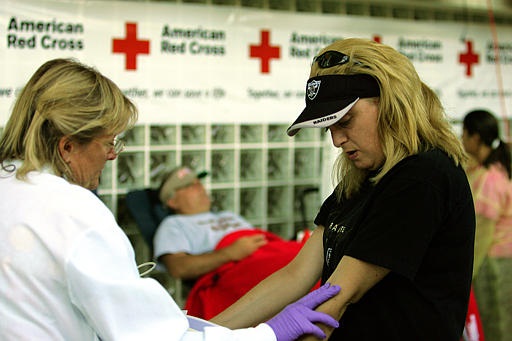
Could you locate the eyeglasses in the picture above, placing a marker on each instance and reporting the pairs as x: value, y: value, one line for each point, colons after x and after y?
x: 118, y: 145
x: 331, y: 58
x: 115, y: 146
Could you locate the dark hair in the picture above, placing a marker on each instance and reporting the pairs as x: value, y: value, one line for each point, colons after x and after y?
x: 485, y: 124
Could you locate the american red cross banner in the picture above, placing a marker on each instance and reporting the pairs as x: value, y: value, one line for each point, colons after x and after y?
x: 184, y: 63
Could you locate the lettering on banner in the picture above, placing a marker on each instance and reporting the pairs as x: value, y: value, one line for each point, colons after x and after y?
x: 172, y: 93
x: 306, y: 46
x: 262, y: 93
x: 503, y: 49
x: 421, y: 50
x: 258, y: 94
x: 48, y: 35
x: 194, y: 41
x: 483, y: 93
x: 6, y: 92
x: 136, y: 92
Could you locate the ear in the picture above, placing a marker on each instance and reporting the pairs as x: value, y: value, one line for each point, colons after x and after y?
x: 172, y: 204
x: 66, y: 147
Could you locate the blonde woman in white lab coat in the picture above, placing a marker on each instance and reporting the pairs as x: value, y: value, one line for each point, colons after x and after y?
x: 67, y: 270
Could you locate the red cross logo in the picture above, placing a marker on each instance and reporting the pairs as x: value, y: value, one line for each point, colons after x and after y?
x: 469, y: 58
x: 265, y: 51
x: 130, y: 46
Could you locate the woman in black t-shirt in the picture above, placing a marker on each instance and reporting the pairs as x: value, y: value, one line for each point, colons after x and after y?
x: 397, y: 233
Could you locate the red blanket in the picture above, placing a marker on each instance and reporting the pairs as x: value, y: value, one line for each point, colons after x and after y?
x: 217, y: 290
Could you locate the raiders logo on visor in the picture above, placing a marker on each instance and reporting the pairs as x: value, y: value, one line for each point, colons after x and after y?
x: 313, y: 88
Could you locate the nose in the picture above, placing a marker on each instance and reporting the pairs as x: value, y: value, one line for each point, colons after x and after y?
x: 111, y: 155
x: 338, y: 136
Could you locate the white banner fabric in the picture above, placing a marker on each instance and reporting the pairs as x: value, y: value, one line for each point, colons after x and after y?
x: 184, y: 63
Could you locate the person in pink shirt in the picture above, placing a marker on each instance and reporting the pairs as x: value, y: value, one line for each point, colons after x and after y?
x: 489, y: 174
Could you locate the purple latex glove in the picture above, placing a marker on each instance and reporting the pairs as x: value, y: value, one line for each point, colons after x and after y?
x: 298, y: 318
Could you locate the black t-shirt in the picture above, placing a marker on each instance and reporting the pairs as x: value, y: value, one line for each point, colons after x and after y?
x: 419, y: 222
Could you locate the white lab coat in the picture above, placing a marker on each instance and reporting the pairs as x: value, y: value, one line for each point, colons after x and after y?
x: 68, y: 272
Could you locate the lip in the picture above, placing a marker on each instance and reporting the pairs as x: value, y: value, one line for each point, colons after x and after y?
x: 352, y: 154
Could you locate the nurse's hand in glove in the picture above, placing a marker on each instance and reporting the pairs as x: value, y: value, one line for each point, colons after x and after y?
x: 298, y: 318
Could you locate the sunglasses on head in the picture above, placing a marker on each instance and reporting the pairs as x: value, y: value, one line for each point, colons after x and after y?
x: 331, y: 58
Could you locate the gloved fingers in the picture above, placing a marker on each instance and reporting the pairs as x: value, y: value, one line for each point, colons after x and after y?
x: 318, y: 317
x: 320, y: 295
x: 316, y: 331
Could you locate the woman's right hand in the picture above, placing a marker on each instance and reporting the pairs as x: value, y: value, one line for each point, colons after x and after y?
x: 299, y: 318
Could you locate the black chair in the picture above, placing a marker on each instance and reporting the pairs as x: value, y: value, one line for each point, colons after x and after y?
x: 148, y: 212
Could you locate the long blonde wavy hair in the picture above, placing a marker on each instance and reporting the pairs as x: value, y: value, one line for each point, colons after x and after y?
x: 62, y: 98
x: 411, y: 118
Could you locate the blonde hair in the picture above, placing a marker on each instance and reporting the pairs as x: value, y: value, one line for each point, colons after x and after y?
x: 411, y: 118
x: 62, y: 98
